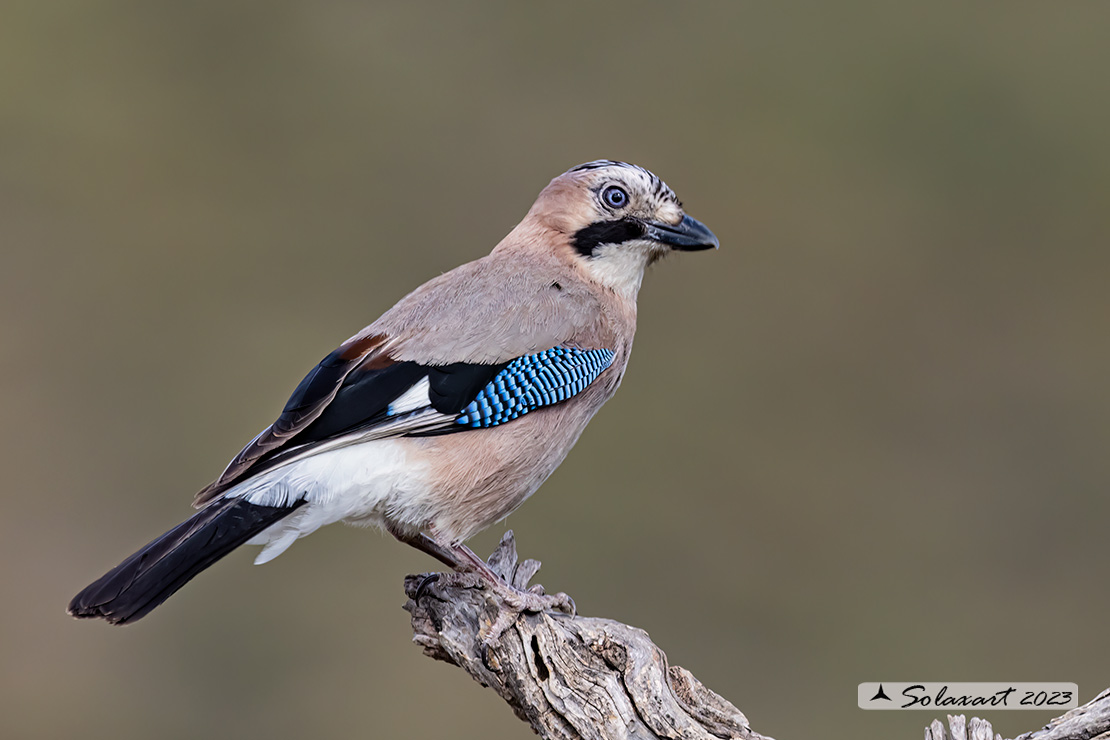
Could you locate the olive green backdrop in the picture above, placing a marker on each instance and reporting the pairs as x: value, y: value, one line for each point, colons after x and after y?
x: 865, y: 440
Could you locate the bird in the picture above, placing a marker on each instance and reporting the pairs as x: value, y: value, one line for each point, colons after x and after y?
x: 442, y: 416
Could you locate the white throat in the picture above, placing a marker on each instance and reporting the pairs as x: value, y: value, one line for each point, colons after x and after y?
x: 621, y: 266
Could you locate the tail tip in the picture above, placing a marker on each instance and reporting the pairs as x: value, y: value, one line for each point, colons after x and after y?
x: 81, y: 607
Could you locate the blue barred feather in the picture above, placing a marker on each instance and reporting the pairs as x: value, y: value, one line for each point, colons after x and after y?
x: 534, y: 381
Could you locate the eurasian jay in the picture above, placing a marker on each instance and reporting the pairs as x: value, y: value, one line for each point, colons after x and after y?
x: 450, y: 410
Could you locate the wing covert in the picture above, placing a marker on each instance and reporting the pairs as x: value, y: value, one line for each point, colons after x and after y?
x: 351, y: 398
x: 534, y: 381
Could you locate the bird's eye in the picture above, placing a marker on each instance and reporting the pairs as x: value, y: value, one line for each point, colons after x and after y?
x: 614, y: 197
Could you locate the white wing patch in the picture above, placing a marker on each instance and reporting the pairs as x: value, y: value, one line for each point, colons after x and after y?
x: 414, y: 398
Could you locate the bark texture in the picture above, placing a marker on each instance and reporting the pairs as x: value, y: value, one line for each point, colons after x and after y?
x: 1088, y: 722
x: 574, y: 677
x: 567, y: 677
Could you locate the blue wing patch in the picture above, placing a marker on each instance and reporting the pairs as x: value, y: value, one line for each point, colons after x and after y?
x: 532, y: 382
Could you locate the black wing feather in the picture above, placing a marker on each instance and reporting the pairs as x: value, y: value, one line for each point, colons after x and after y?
x: 310, y: 398
x: 362, y: 399
x: 454, y: 386
x: 348, y: 392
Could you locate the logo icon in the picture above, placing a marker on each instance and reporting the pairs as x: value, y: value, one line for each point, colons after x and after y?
x: 880, y: 694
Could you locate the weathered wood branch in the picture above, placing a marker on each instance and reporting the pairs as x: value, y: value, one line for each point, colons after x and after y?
x: 1088, y: 722
x: 567, y: 677
x: 584, y: 677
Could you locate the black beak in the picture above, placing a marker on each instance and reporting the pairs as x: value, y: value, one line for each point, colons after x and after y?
x: 689, y: 235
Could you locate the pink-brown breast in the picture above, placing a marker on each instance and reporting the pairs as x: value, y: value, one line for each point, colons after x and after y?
x: 529, y: 295
x: 482, y: 476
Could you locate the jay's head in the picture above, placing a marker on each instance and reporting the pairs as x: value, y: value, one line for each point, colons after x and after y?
x: 618, y: 218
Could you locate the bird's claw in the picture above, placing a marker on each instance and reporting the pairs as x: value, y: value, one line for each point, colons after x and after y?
x: 512, y: 602
x: 425, y: 583
x: 506, y: 584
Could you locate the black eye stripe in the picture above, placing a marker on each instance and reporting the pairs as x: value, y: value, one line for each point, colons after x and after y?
x: 589, y: 238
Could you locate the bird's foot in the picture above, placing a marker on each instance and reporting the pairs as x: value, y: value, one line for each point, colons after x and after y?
x: 512, y: 602
x: 505, y: 579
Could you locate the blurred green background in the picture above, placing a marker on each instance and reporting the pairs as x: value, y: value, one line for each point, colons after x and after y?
x: 865, y: 440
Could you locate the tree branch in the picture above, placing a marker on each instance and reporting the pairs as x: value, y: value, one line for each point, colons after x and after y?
x: 1088, y: 722
x: 567, y: 677
x: 597, y: 679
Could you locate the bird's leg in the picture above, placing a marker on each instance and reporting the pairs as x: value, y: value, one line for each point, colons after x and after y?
x: 426, y: 544
x: 512, y: 601
x: 511, y: 590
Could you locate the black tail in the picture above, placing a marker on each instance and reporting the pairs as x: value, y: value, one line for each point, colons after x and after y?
x: 133, y: 588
